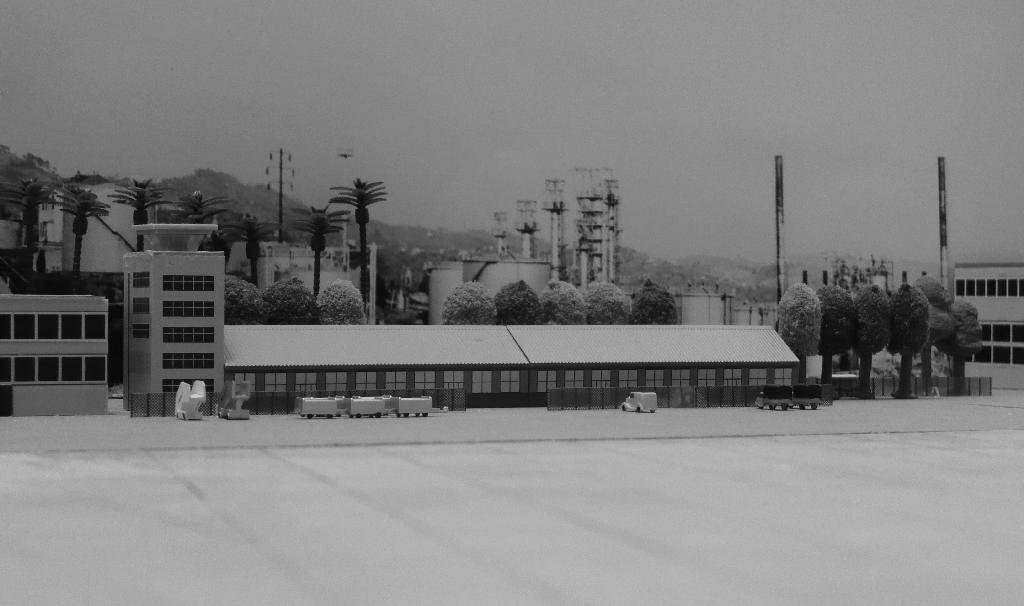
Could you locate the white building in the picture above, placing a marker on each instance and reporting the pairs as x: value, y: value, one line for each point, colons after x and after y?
x: 997, y: 291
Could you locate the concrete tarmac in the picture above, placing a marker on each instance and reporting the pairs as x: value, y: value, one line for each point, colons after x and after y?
x: 885, y: 502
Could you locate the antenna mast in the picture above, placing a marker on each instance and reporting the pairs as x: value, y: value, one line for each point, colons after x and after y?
x: 281, y: 154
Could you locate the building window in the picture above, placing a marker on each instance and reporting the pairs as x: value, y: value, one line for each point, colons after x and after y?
x: 546, y: 379
x: 481, y: 381
x: 71, y: 325
x: 140, y: 305
x: 990, y: 288
x: 984, y: 355
x: 49, y: 368
x: 49, y: 326
x: 424, y: 379
x: 335, y: 381
x: 758, y: 376
x: 5, y: 326
x: 71, y: 368
x: 1001, y: 333
x: 171, y: 385
x: 679, y: 376
x: 969, y: 290
x: 188, y: 334
x: 509, y: 381
x: 959, y: 286
x: 784, y: 376
x: 140, y: 279
x: 394, y: 379
x: 629, y: 378
x: 140, y: 331
x: 600, y: 378
x: 1001, y: 288
x: 706, y: 377
x: 24, y: 369
x: 248, y: 377
x: 654, y: 378
x: 275, y: 381
x: 574, y: 378
x: 366, y: 380
x: 24, y: 326
x: 188, y: 309
x: 732, y: 376
x: 95, y: 326
x: 5, y: 369
x: 1011, y: 288
x: 188, y: 283
x: 305, y: 382
x: 1000, y: 354
x: 187, y: 360
x: 454, y: 379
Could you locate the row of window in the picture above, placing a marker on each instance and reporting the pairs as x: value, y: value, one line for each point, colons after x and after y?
x: 171, y: 385
x: 999, y: 339
x: 52, y: 369
x: 989, y: 287
x: 52, y: 326
x: 175, y: 282
x: 188, y: 360
x: 177, y: 334
x: 176, y: 309
x: 508, y: 381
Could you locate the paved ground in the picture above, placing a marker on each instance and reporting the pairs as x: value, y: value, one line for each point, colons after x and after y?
x: 886, y: 502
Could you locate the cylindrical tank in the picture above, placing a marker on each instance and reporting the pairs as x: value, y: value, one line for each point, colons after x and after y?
x: 701, y: 308
x: 444, y: 277
x: 494, y: 274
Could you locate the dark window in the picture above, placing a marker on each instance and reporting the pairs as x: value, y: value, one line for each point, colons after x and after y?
x: 969, y: 284
x: 49, y: 326
x: 1000, y: 355
x: 188, y: 360
x: 990, y: 288
x: 1020, y: 288
x: 188, y: 334
x: 95, y: 368
x: 1018, y: 333
x: 71, y: 326
x: 5, y: 326
x: 188, y: 283
x: 188, y: 309
x: 1001, y: 332
x: 5, y: 370
x: 171, y: 385
x: 1011, y: 290
x: 95, y: 326
x: 71, y: 368
x: 1001, y: 287
x: 986, y: 332
x: 24, y: 369
x: 960, y: 288
x: 1018, y: 355
x: 140, y: 331
x: 140, y: 279
x: 140, y: 305
x: 24, y: 326
x: 49, y: 368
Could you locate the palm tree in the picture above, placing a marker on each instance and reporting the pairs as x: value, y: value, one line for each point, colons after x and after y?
x: 252, y: 231
x: 360, y: 196
x: 28, y: 195
x: 142, y: 196
x: 196, y: 208
x: 318, y: 223
x: 80, y: 204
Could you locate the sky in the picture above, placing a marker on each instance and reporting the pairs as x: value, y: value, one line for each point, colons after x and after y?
x: 462, y: 108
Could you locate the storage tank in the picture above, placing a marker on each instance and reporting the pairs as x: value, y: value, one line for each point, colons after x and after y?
x: 494, y: 274
x: 701, y: 308
x: 444, y: 277
x: 108, y: 239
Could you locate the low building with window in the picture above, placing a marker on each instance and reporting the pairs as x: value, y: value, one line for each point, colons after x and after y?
x: 502, y: 365
x: 997, y: 291
x: 53, y: 353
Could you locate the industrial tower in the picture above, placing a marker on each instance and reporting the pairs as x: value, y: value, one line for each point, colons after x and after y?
x: 500, y: 232
x: 527, y: 225
x: 556, y: 206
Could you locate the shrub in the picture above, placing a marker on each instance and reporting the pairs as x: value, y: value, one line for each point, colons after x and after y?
x: 653, y: 305
x: 243, y: 303
x: 340, y: 303
x: 516, y: 303
x: 290, y: 302
x: 605, y: 303
x: 561, y: 303
x: 468, y: 303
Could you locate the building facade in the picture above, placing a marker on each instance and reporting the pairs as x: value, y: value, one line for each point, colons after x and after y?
x: 997, y: 291
x: 53, y: 352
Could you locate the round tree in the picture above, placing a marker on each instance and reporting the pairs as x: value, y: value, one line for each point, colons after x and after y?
x: 561, y: 303
x: 605, y: 303
x: 940, y: 321
x: 873, y: 318
x: 800, y: 323
x: 838, y: 326
x: 340, y: 303
x: 290, y: 302
x: 516, y: 303
x: 243, y: 303
x: 965, y: 340
x: 468, y: 303
x: 653, y: 305
x: 908, y: 333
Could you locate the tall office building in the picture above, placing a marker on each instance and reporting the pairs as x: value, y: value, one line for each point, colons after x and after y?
x: 174, y: 311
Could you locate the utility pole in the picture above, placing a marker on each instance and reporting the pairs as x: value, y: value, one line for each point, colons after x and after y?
x: 281, y: 153
x: 944, y: 275
x: 779, y: 224
x: 612, y: 232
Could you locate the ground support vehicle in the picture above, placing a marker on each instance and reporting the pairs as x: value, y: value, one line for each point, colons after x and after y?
x: 773, y: 396
x: 320, y: 407
x: 640, y: 401
x: 368, y: 406
x: 403, y: 407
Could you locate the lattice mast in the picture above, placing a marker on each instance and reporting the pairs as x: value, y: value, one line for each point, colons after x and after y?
x: 556, y: 206
x: 282, y: 154
x: 527, y: 225
x: 612, y: 229
x: 589, y: 227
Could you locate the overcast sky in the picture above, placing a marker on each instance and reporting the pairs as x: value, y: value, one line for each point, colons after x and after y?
x: 461, y: 108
